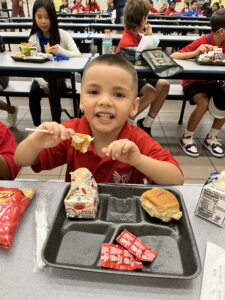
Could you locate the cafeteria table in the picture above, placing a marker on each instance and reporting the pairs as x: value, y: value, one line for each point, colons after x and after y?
x: 19, y: 281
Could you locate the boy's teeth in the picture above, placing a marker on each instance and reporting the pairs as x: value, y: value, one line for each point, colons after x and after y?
x: 105, y: 115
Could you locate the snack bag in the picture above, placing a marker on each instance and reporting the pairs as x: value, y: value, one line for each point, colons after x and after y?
x: 13, y: 202
x: 82, y: 198
x: 116, y: 257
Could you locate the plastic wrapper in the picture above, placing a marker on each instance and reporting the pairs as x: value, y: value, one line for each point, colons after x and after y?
x: 136, y: 247
x: 116, y: 257
x: 13, y: 202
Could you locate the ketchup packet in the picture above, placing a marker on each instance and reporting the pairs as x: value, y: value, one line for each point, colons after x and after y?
x: 13, y: 202
x: 116, y: 257
x: 136, y: 247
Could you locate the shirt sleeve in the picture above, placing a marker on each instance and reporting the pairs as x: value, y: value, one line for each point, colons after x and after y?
x: 68, y: 46
x: 194, y: 45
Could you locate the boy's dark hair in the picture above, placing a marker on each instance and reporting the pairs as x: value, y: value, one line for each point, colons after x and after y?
x: 193, y: 1
x: 134, y: 12
x: 50, y: 8
x: 217, y: 20
x: 114, y: 60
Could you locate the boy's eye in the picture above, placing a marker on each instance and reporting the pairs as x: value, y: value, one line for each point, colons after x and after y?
x: 93, y: 92
x: 119, y: 95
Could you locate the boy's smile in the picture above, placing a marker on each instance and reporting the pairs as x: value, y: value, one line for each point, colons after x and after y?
x: 107, y: 98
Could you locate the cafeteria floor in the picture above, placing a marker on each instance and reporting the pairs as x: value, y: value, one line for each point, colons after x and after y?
x: 165, y: 130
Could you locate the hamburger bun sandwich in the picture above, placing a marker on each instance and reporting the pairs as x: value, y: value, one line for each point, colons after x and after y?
x: 161, y: 204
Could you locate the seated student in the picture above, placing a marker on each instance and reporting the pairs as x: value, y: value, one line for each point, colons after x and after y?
x: 153, y: 91
x: 78, y: 6
x: 171, y: 9
x: 215, y: 6
x: 185, y: 8
x: 93, y: 6
x: 163, y: 8
x: 8, y: 168
x: 193, y: 10
x: 64, y: 7
x: 206, y: 10
x: 45, y: 31
x: 200, y: 91
x: 152, y: 9
x: 11, y: 110
x: 120, y: 152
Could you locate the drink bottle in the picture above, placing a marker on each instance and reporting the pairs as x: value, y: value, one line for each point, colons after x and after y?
x: 107, y: 42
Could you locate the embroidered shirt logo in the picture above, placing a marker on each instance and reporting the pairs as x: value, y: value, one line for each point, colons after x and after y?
x: 124, y: 178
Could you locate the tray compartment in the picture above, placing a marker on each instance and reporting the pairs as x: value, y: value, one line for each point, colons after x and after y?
x: 120, y: 210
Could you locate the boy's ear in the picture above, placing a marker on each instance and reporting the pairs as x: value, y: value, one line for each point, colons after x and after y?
x: 81, y: 106
x: 134, y: 108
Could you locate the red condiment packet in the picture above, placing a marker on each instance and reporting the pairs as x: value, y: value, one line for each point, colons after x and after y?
x: 116, y: 257
x: 136, y: 247
x: 13, y: 202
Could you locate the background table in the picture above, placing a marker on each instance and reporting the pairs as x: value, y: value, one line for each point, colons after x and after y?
x: 19, y: 282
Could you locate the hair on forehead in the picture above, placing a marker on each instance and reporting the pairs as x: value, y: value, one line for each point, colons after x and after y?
x: 117, y: 61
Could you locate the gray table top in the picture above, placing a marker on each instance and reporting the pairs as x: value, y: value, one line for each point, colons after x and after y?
x: 18, y: 281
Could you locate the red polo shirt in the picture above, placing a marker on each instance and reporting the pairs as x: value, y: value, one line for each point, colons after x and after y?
x: 7, y: 149
x: 129, y: 39
x: 169, y: 12
x: 206, y: 39
x: 154, y: 11
x: 104, y: 169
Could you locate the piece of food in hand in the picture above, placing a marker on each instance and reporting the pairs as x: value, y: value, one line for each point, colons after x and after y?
x: 82, y: 198
x: 81, y: 141
x: 136, y: 247
x: 161, y: 204
x: 47, y: 46
x: 116, y: 257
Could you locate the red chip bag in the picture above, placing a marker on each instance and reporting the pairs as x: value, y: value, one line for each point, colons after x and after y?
x: 116, y: 257
x: 13, y: 202
x: 135, y: 246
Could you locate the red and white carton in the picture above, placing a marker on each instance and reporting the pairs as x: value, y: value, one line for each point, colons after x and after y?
x: 82, y: 199
x: 211, y: 203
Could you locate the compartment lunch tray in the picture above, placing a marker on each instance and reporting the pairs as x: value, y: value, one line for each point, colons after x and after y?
x: 210, y: 63
x: 35, y: 59
x: 76, y: 243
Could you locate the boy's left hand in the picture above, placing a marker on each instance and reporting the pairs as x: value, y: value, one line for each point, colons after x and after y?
x: 124, y: 151
x: 148, y: 29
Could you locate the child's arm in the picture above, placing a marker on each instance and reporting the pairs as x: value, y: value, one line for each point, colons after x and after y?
x: 27, y: 151
x: 186, y: 55
x: 161, y: 172
x: 4, y: 169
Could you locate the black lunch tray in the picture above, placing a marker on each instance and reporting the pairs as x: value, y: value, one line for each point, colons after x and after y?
x: 30, y: 59
x: 76, y: 244
x: 210, y: 63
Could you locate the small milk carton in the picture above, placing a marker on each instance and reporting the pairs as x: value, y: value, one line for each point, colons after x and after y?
x: 82, y: 200
x: 211, y: 204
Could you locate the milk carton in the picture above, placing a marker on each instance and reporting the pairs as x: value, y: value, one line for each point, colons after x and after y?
x: 211, y: 204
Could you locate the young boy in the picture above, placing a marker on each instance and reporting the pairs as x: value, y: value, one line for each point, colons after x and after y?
x: 200, y: 91
x: 152, y: 92
x: 120, y: 152
x: 8, y: 169
x: 193, y: 11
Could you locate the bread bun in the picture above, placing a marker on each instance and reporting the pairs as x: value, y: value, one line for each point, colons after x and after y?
x: 161, y: 204
x: 81, y: 141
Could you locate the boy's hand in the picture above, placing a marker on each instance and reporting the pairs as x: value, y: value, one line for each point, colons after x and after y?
x: 57, y: 133
x: 204, y: 48
x: 148, y: 29
x: 124, y: 151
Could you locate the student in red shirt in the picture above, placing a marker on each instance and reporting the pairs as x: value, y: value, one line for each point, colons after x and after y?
x: 185, y: 8
x: 8, y: 168
x: 120, y: 152
x: 152, y: 9
x: 78, y: 6
x: 171, y: 9
x: 152, y: 91
x: 200, y: 91
x: 93, y: 6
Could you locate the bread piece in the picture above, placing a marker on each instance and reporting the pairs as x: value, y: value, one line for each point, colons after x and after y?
x: 47, y: 46
x: 161, y: 204
x: 81, y: 141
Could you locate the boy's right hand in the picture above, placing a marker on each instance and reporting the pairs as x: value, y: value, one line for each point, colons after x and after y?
x: 148, y: 29
x: 204, y: 48
x: 56, y: 133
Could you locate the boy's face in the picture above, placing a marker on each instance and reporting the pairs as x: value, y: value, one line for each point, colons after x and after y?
x: 108, y: 98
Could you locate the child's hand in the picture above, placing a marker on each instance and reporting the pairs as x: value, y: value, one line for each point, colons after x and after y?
x: 148, y: 29
x: 55, y: 49
x: 123, y: 150
x: 204, y: 48
x: 57, y: 133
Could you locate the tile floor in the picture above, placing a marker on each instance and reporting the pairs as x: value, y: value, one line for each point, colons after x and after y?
x: 165, y: 130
